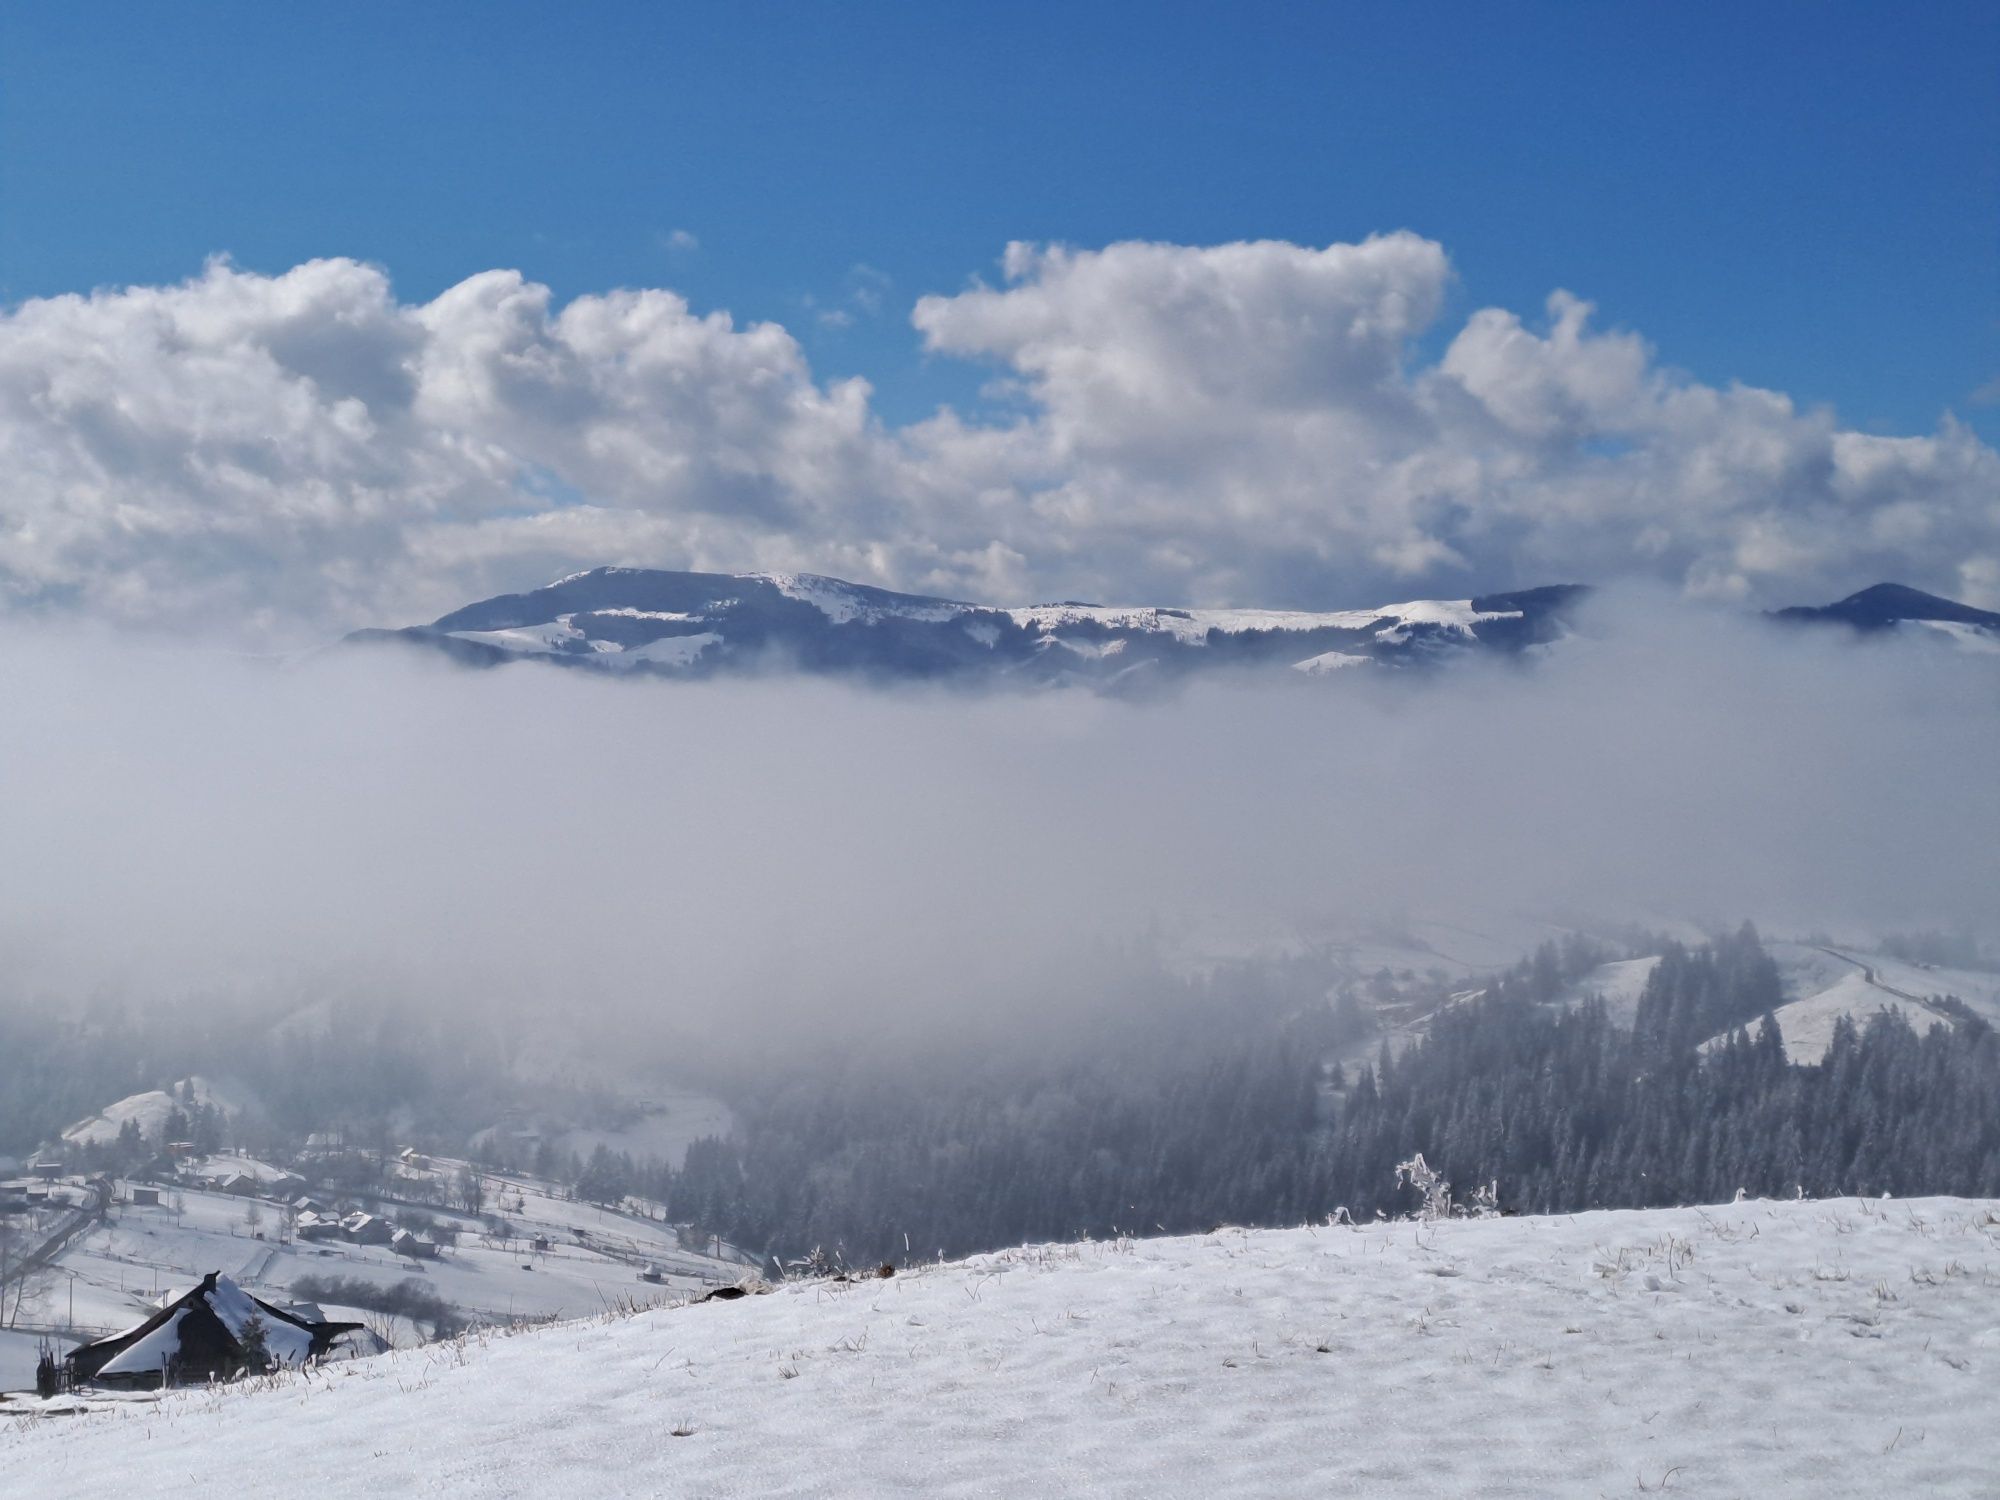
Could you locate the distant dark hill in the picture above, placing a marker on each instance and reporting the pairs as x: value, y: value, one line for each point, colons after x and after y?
x: 1886, y: 606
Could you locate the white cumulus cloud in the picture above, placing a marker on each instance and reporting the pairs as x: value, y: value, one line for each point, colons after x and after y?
x: 274, y: 458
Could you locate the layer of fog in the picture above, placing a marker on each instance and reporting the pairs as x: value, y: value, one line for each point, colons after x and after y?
x: 774, y: 857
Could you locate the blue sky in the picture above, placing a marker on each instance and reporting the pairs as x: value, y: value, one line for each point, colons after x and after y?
x: 1802, y: 196
x: 1281, y: 331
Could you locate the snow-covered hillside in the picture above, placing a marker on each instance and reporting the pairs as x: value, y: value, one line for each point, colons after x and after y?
x: 1765, y: 1349
x: 1831, y: 983
x: 1618, y: 984
x: 1807, y: 1024
x: 149, y: 1112
x: 1825, y: 984
x: 1810, y: 967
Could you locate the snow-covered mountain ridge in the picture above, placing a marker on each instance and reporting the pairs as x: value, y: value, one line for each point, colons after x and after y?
x: 704, y: 624
x: 649, y: 621
x: 1843, y: 1347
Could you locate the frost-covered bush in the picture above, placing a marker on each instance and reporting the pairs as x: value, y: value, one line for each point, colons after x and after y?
x: 1419, y: 1174
x: 1427, y: 1180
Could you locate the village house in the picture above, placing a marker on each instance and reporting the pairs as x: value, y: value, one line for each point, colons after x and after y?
x: 312, y: 1226
x: 209, y: 1333
x: 367, y: 1229
x: 413, y: 1245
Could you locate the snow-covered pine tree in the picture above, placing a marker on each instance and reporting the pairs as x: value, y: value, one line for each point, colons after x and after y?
x: 256, y: 1346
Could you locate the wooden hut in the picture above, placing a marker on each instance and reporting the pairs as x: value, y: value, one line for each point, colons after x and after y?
x: 204, y: 1334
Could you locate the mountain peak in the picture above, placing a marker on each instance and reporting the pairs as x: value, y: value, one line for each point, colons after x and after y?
x: 1882, y: 605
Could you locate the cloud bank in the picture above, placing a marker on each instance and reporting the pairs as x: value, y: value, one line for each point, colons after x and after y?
x: 271, y: 459
x: 782, y: 859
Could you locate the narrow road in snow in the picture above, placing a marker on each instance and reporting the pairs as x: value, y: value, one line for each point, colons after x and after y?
x: 1868, y: 975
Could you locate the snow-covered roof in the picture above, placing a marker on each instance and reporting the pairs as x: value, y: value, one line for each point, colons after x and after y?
x: 158, y: 1346
x: 156, y: 1351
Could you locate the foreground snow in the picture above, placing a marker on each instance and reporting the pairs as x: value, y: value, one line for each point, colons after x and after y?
x: 1837, y: 1348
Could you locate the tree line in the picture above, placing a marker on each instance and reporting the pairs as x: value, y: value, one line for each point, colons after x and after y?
x: 1227, y: 1110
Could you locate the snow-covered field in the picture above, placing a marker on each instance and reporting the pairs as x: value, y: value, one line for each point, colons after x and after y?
x: 1761, y: 1349
x: 1619, y: 985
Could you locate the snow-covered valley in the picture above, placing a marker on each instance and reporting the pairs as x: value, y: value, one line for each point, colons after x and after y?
x: 536, y: 1255
x: 1843, y: 1347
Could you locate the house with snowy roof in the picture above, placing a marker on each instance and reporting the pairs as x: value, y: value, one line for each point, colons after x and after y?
x: 367, y: 1229
x: 209, y: 1333
x: 312, y: 1226
x: 416, y: 1246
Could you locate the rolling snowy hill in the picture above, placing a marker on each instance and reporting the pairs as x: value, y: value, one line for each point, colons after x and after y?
x: 1770, y: 1349
x: 148, y: 1113
x: 1824, y: 985
x: 1832, y: 983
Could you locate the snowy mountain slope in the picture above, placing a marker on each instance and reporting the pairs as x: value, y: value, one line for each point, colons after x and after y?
x: 698, y: 624
x: 1769, y: 1349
